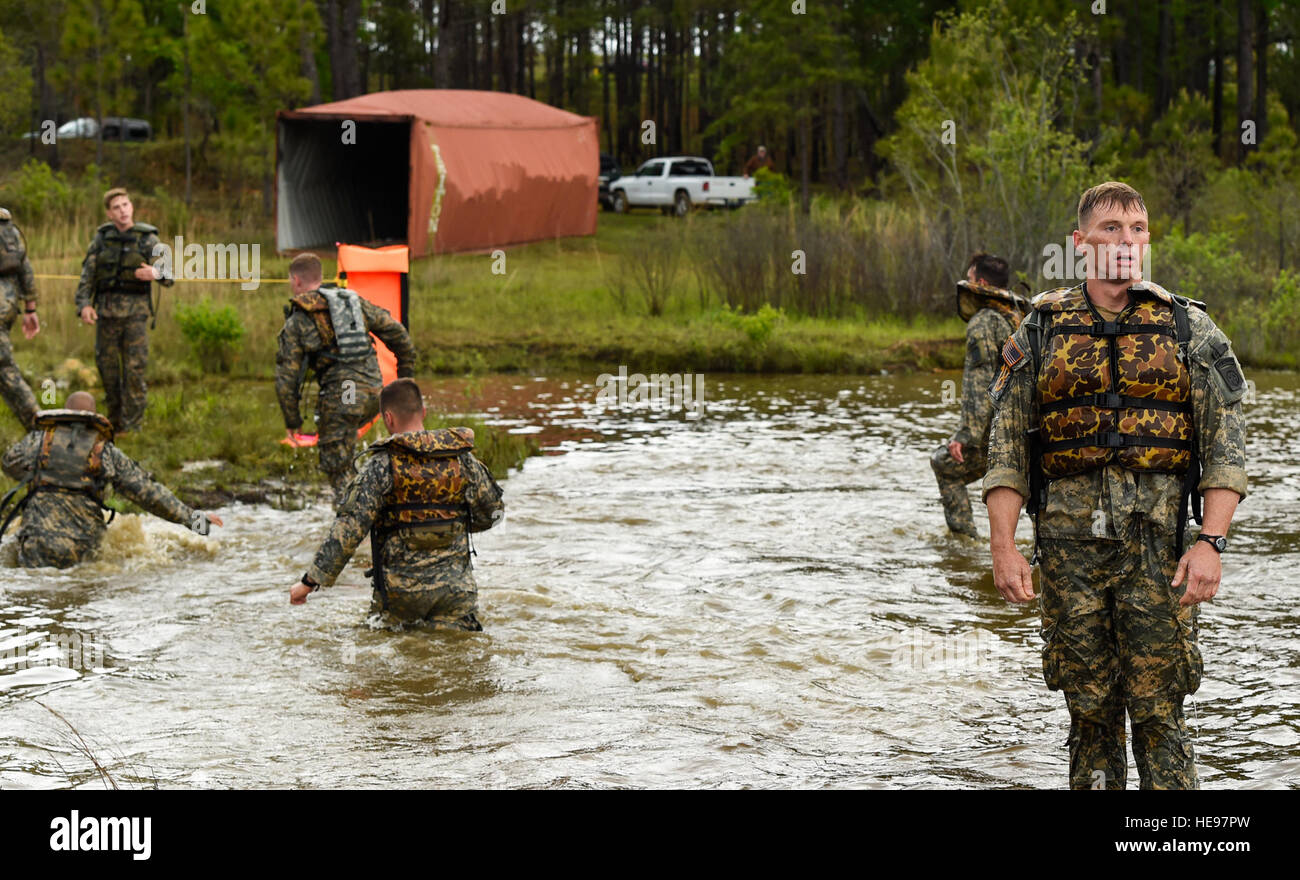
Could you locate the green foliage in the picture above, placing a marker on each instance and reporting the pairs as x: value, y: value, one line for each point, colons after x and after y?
x: 15, y: 87
x: 213, y: 334
x: 984, y: 146
x: 1267, y: 333
x: 1207, y: 267
x: 38, y: 193
x: 772, y: 186
x: 758, y: 327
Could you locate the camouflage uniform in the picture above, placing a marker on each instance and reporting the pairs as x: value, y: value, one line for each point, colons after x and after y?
x: 122, y: 301
x: 427, y: 572
x: 1115, y: 636
x: 17, y: 288
x: 985, y: 333
x: 349, y: 389
x: 61, y: 528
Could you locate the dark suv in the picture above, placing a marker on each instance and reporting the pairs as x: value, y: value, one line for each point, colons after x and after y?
x: 609, y: 171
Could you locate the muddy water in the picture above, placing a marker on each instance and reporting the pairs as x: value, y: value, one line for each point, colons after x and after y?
x: 765, y: 596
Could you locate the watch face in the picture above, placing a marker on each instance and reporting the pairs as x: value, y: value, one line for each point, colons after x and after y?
x: 1220, y: 544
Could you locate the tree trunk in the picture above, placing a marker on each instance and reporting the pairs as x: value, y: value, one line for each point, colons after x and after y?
x: 805, y: 161
x: 1261, y: 71
x: 839, y: 139
x: 442, y: 55
x: 1217, y: 125
x: 605, y: 69
x: 308, y: 57
x: 1162, y: 58
x: 1245, y: 73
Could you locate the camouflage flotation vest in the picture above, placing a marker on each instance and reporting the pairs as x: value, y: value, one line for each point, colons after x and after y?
x: 971, y: 297
x: 71, y: 458
x: 1113, y: 391
x: 429, y: 489
x: 340, y: 322
x: 118, y: 259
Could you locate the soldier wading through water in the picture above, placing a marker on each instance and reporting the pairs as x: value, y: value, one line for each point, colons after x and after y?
x: 66, y: 463
x: 1118, y: 407
x: 419, y: 496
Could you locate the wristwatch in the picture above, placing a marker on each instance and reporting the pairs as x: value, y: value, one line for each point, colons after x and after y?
x: 1218, y: 542
x: 306, y: 579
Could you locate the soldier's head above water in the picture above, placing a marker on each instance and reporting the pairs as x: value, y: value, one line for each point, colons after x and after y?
x: 988, y: 269
x: 80, y: 400
x: 304, y: 273
x: 402, y: 406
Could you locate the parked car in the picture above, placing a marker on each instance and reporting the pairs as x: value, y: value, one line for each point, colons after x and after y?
x: 678, y: 183
x: 609, y: 171
x: 137, y: 130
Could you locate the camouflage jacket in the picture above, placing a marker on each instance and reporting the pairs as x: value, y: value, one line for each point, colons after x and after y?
x: 985, y: 335
x: 17, y: 281
x: 77, y: 517
x: 416, y: 559
x: 301, y: 347
x: 1098, y: 504
x: 111, y: 260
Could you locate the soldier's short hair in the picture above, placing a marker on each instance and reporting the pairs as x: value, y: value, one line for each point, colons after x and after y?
x: 114, y: 193
x: 991, y: 269
x: 306, y: 267
x: 1112, y: 192
x: 402, y: 398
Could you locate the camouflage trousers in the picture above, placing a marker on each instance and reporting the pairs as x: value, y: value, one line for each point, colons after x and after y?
x: 440, y: 608
x: 337, y: 441
x: 13, y: 387
x: 953, y: 477
x: 1117, y: 640
x: 54, y: 550
x: 122, y: 355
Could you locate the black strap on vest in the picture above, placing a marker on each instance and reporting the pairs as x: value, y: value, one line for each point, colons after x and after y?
x: 33, y: 490
x: 1115, y: 440
x: 1108, y: 400
x: 379, y: 537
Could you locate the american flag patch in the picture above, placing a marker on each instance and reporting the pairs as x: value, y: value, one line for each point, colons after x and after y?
x: 1012, y: 354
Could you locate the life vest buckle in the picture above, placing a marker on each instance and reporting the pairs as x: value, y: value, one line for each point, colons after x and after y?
x: 1104, y: 328
x: 1108, y: 400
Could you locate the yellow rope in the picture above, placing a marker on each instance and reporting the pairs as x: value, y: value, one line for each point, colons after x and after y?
x: 196, y: 280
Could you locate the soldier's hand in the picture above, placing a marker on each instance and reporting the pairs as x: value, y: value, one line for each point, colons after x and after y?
x: 954, y: 449
x: 31, y: 324
x: 88, y: 315
x: 1200, y: 568
x: 214, y: 519
x: 146, y: 273
x: 1012, y: 575
x: 298, y: 593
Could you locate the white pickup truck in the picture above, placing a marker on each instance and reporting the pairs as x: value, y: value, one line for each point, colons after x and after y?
x: 678, y: 183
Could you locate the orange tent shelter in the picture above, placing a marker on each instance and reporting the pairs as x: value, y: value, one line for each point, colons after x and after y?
x: 442, y: 170
x: 381, y: 275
